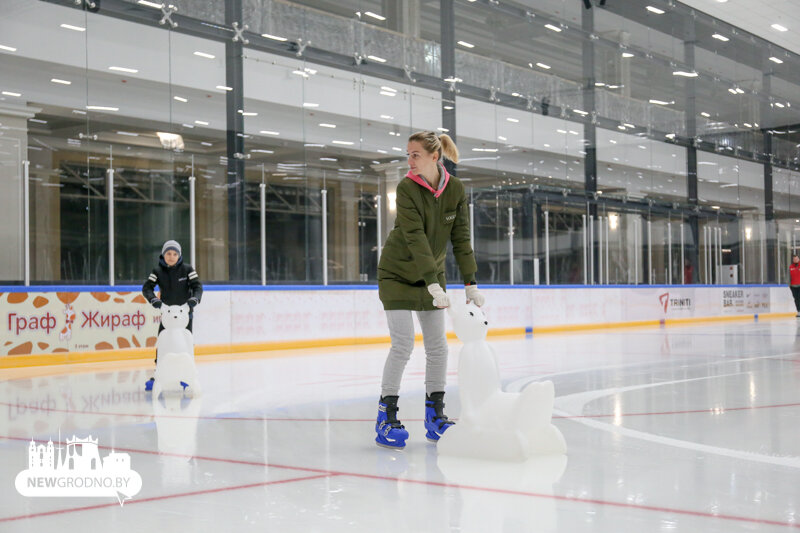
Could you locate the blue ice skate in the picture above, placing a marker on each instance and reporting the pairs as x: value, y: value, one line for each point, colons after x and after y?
x: 391, y: 433
x: 148, y: 386
x: 436, y: 421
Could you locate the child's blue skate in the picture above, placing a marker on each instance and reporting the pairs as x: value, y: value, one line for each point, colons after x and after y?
x: 148, y: 386
x: 436, y: 421
x: 391, y: 433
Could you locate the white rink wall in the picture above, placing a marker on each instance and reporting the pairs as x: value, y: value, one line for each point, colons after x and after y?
x: 37, y: 321
x: 254, y: 316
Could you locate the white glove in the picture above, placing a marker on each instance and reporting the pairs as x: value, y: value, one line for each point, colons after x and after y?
x: 474, y: 295
x: 440, y: 298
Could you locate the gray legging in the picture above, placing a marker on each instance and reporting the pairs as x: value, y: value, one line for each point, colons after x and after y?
x: 401, y: 329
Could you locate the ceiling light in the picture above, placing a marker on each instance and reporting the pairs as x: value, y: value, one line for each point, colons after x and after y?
x: 274, y: 37
x: 655, y: 10
x: 544, y: 66
x: 778, y: 104
x: 705, y: 114
x: 37, y: 120
x: 659, y: 102
x: 387, y: 93
x: 448, y: 107
x: 512, y: 119
x: 7, y: 48
x: 151, y: 4
x: 776, y: 60
x: 190, y: 126
x: 580, y: 112
x: 374, y: 15
x: 328, y: 159
x: 180, y: 99
x: 267, y: 132
x: 124, y: 69
x: 201, y: 122
x: 387, y: 88
x: 127, y: 133
x: 465, y: 44
x: 443, y: 130
x: 62, y: 82
x: 779, y: 27
x: 453, y: 80
x: 552, y: 27
x: 260, y: 151
x: 376, y: 58
x: 714, y: 207
x: 739, y: 90
x: 324, y: 125
x: 345, y: 143
x: 101, y: 108
x: 685, y: 74
x: 387, y: 117
x: 627, y: 54
x: 224, y: 88
x: 9, y: 93
x: 203, y: 54
x: 310, y: 104
x: 720, y: 37
x: 501, y: 138
x: 612, y: 141
x: 561, y: 131
x: 73, y: 28
x: 396, y: 149
x: 248, y: 113
x: 599, y: 84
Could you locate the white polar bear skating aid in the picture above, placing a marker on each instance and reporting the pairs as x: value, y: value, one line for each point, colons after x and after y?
x: 496, y: 425
x: 175, y: 349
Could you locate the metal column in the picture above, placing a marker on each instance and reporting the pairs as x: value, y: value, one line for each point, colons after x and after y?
x: 263, y: 196
x: 110, y: 195
x: 325, y: 237
x: 511, y: 245
x: 591, y: 249
x: 472, y: 227
x: 649, y: 252
x: 669, y: 253
x: 547, y: 248
x: 26, y: 221
x: 683, y: 259
x: 378, y: 207
x: 600, y: 226
x: 585, y: 265
x: 192, y: 218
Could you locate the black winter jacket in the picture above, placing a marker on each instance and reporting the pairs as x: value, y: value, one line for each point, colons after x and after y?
x: 177, y: 283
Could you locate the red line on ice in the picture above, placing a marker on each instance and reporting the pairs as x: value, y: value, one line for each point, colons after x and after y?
x: 325, y: 473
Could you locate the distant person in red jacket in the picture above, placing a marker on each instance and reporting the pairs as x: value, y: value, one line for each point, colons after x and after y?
x: 794, y: 282
x: 688, y: 272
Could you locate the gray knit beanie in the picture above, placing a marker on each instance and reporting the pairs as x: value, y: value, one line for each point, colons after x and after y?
x: 171, y: 245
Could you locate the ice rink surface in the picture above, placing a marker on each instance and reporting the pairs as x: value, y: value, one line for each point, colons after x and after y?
x: 693, y: 429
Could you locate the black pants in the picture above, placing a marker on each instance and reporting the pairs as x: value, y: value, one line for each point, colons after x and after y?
x: 796, y: 294
x: 188, y: 326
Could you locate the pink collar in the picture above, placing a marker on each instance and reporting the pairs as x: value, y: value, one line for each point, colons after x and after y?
x: 419, y: 180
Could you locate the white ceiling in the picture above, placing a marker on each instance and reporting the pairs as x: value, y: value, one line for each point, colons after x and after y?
x: 757, y: 17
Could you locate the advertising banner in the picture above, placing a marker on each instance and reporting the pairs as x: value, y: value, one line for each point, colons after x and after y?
x: 55, y: 322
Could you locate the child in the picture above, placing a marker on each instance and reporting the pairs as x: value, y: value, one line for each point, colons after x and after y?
x: 178, y: 283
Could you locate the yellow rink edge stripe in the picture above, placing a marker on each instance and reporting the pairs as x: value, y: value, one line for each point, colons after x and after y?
x: 21, y: 361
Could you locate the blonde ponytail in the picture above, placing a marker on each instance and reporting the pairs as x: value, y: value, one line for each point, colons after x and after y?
x: 449, y: 148
x: 432, y: 143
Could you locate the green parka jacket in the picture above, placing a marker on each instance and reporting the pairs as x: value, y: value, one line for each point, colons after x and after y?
x: 414, y: 254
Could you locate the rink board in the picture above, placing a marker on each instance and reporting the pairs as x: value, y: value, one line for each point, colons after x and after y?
x: 71, y: 324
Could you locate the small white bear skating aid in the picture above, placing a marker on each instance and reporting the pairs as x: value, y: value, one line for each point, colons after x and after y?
x: 175, y: 349
x: 494, y: 424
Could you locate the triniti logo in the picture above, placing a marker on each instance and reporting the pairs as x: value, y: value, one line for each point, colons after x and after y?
x: 677, y: 304
x: 77, y: 473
